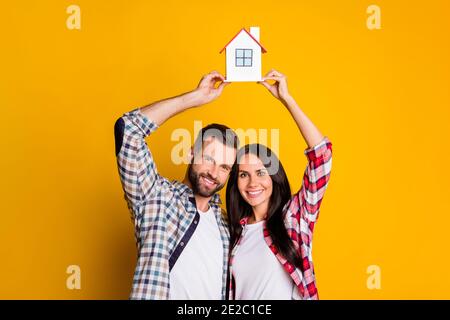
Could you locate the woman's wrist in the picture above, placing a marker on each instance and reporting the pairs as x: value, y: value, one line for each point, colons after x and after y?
x: 288, y: 101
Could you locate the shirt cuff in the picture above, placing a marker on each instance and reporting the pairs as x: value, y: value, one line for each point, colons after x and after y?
x: 319, y: 149
x: 145, y: 125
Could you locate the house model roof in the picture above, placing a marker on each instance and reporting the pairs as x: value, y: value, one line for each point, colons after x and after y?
x: 262, y: 48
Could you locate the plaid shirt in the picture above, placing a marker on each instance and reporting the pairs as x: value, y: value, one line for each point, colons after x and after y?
x: 301, y: 214
x: 164, y: 213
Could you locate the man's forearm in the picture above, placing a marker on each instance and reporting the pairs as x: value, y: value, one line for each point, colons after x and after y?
x: 162, y: 110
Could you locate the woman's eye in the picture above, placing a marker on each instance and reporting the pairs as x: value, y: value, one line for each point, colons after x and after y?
x: 242, y: 175
x: 261, y: 173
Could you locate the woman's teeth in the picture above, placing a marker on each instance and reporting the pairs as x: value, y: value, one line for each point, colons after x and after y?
x: 253, y: 194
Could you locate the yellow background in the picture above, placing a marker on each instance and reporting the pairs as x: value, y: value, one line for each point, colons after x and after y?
x: 382, y: 96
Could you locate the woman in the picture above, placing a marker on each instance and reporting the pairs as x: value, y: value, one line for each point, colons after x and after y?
x: 271, y: 231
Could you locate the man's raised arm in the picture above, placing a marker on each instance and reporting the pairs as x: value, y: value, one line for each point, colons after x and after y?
x: 137, y: 169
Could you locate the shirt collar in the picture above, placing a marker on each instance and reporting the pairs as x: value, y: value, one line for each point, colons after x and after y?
x: 244, y: 221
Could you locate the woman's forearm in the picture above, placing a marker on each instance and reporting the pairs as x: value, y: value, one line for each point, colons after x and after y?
x: 308, y: 130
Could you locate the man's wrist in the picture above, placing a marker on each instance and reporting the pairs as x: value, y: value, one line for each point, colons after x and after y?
x: 192, y: 99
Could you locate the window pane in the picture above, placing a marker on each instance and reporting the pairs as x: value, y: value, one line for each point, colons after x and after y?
x: 248, y: 53
x: 239, y: 53
x: 239, y: 62
x: 248, y: 62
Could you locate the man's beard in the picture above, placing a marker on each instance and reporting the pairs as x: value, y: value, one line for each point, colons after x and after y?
x: 194, y: 178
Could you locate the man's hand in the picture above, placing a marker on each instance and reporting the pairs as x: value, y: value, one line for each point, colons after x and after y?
x: 206, y: 90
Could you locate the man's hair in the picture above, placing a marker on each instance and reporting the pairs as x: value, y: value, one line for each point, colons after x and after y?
x: 217, y: 131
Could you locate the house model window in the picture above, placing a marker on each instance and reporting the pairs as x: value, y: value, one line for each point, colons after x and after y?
x: 243, y: 56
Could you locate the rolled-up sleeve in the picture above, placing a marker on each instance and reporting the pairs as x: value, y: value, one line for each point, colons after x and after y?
x: 137, y: 169
x: 315, y: 179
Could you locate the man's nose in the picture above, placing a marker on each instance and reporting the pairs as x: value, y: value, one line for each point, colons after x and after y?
x: 213, y: 171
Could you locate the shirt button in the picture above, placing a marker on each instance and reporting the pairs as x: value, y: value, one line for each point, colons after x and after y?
x: 181, y: 243
x: 195, y: 221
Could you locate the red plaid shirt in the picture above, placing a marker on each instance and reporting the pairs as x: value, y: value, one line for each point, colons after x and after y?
x: 301, y: 214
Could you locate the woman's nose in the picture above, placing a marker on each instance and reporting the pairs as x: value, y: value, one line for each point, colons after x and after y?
x: 252, y: 181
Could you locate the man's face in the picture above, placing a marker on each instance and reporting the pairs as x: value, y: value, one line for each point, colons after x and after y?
x: 211, y: 167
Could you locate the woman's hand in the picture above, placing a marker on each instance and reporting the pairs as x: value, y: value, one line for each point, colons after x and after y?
x: 279, y: 89
x: 206, y: 90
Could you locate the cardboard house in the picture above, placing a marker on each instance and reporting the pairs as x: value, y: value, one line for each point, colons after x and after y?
x: 243, y: 56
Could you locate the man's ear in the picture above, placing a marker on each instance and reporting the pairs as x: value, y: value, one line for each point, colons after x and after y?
x: 191, y: 155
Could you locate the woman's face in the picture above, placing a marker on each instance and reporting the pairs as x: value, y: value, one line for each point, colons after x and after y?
x: 254, y: 181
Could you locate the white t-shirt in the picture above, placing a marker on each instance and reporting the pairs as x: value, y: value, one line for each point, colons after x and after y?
x: 197, y: 274
x: 257, y: 272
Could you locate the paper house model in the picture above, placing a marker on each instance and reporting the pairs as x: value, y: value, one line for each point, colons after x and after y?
x: 243, y: 56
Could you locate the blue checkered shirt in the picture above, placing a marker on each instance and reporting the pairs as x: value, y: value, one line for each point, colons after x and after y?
x: 163, y: 212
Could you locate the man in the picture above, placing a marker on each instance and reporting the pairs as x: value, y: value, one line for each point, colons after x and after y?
x: 181, y: 235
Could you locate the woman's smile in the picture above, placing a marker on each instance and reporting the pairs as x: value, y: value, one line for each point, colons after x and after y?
x: 254, y: 193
